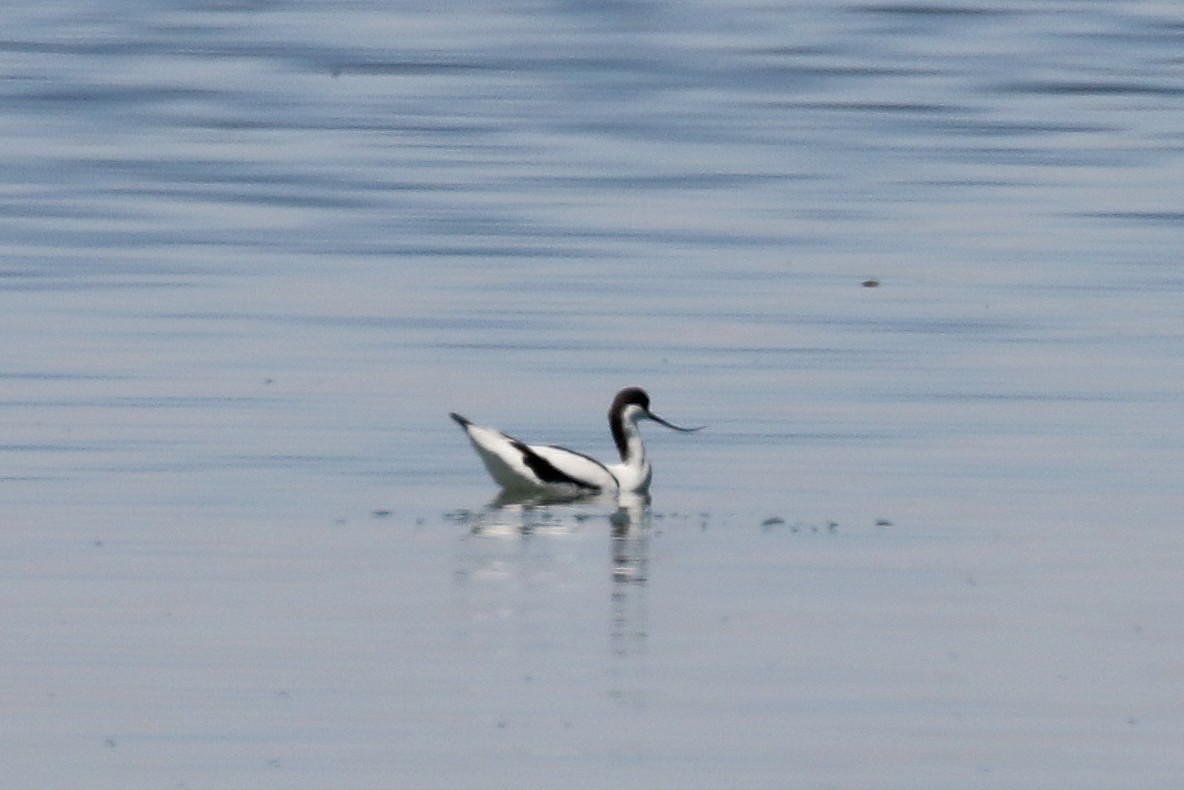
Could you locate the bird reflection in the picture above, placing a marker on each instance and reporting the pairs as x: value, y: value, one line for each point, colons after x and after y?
x: 630, y: 525
x: 629, y: 631
x: 526, y: 499
x: 532, y: 575
x: 522, y: 515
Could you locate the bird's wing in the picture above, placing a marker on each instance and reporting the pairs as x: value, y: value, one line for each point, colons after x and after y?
x: 501, y: 456
x: 516, y: 466
x: 586, y: 471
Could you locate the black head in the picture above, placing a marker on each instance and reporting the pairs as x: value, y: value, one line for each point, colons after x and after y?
x: 635, y: 396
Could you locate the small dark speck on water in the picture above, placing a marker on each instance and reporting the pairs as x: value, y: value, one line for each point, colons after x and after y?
x: 381, y: 513
x: 871, y: 283
x: 883, y: 522
x: 772, y: 521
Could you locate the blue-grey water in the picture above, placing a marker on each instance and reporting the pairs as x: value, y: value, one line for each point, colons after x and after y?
x: 919, y: 266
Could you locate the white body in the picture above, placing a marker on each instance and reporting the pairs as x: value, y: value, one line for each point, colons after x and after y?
x: 522, y: 468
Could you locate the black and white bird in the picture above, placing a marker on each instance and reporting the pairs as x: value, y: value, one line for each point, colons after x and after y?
x: 531, y: 468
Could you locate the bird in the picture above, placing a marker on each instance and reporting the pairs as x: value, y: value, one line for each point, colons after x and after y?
x: 547, y: 469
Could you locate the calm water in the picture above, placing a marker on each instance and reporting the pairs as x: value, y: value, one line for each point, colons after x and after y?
x: 917, y: 265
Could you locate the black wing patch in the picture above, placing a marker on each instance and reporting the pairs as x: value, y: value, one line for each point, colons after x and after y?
x: 546, y: 471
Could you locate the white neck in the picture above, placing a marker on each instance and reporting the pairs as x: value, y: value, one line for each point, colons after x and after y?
x: 633, y: 473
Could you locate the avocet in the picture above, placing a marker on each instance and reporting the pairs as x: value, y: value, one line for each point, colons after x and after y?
x: 519, y: 467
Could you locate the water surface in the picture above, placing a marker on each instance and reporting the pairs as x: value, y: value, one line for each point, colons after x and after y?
x: 915, y: 264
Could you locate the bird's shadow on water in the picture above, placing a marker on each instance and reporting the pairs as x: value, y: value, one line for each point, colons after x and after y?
x: 516, y: 554
x: 523, y: 515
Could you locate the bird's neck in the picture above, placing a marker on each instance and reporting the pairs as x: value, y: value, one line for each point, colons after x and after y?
x: 628, y: 441
x: 633, y: 473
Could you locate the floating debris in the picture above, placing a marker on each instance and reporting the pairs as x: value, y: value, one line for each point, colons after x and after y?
x: 883, y: 522
x: 381, y: 513
x: 772, y: 521
x: 871, y: 283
